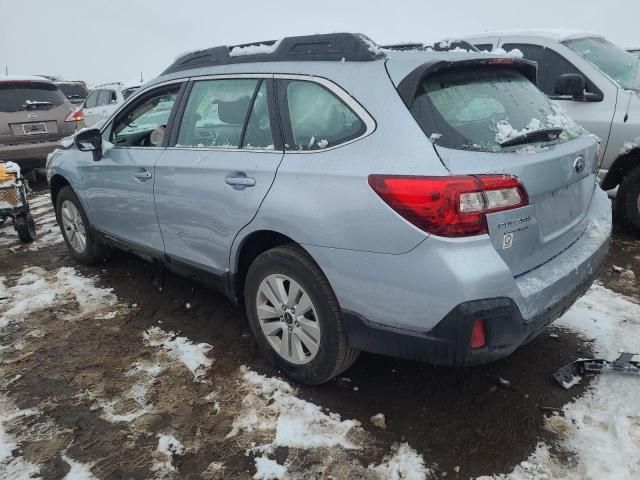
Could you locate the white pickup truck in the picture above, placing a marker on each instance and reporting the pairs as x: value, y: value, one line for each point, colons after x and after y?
x: 598, y: 84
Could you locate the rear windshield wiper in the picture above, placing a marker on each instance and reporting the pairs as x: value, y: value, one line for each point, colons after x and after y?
x: 34, y: 105
x: 542, y: 135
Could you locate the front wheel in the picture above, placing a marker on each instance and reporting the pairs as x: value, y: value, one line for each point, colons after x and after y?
x: 75, y: 228
x: 628, y: 200
x: 295, y: 317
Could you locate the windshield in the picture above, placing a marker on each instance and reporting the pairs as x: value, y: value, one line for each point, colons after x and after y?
x: 608, y: 58
x: 486, y: 108
x: 23, y: 96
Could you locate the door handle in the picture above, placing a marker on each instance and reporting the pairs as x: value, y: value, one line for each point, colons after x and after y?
x: 239, y: 181
x: 143, y: 175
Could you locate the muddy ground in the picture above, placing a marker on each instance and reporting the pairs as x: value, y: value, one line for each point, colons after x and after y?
x: 77, y: 375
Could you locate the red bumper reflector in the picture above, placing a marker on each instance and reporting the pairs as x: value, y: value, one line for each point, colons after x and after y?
x: 478, y: 339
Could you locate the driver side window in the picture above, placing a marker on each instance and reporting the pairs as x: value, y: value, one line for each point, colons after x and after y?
x: 144, y: 124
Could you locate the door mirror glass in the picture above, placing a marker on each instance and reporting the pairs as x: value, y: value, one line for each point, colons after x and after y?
x: 89, y: 140
x: 570, y: 85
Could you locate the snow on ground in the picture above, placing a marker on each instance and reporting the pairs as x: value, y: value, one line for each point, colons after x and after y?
x: 193, y: 356
x: 273, y: 416
x: 168, y: 448
x: 602, y: 427
x: 37, y: 289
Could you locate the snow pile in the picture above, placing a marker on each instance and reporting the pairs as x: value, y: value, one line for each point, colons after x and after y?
x: 505, y: 131
x: 602, y: 428
x: 168, y: 448
x: 515, y: 53
x: 403, y: 464
x: 269, y: 469
x: 254, y: 49
x: 271, y: 405
x: 38, y: 289
x: 560, y: 119
x: 78, y: 471
x: 192, y: 355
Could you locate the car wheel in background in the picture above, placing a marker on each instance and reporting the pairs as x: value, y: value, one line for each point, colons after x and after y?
x: 628, y: 200
x: 295, y: 317
x: 76, y: 229
x: 26, y: 227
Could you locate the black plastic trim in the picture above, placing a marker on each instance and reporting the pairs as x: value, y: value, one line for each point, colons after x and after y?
x: 353, y: 47
x: 409, y: 85
x: 448, y: 343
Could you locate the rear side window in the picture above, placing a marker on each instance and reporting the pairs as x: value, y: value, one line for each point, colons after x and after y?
x: 216, y: 112
x: 27, y: 96
x: 484, y: 108
x: 318, y: 118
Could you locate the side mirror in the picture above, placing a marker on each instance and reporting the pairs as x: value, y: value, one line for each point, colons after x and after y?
x: 89, y: 140
x: 570, y: 85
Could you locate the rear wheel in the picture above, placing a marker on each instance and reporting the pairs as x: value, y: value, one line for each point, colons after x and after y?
x: 26, y: 227
x: 628, y: 200
x: 295, y: 317
x: 76, y: 229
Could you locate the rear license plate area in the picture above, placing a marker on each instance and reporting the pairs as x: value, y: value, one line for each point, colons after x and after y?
x: 34, y: 128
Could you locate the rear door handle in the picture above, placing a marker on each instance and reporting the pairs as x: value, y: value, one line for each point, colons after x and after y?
x: 143, y: 175
x: 239, y: 181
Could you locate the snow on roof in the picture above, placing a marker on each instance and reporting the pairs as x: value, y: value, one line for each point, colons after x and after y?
x: 557, y: 34
x: 254, y: 49
x: 23, y: 78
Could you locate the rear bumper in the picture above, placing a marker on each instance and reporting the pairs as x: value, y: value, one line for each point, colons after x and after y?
x: 449, y: 342
x: 29, y: 155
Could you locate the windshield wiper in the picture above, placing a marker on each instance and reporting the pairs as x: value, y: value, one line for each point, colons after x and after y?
x: 36, y: 104
x: 542, y: 135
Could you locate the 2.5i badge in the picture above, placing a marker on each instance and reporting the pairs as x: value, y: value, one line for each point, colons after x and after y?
x: 507, y: 240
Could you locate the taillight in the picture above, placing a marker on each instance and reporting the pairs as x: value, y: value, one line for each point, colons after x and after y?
x: 453, y: 206
x: 478, y: 336
x: 76, y: 116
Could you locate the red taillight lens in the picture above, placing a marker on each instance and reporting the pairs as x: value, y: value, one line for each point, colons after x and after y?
x: 478, y: 338
x: 452, y: 206
x: 76, y: 116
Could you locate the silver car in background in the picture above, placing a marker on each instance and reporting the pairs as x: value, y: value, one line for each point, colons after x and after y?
x: 428, y: 205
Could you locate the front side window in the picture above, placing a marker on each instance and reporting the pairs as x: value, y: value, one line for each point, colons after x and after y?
x: 318, y: 118
x: 488, y: 109
x: 615, y: 62
x: 145, y: 123
x: 216, y: 112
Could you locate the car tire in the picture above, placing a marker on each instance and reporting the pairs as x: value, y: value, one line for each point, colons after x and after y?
x: 318, y: 348
x: 628, y: 200
x: 76, y: 229
x: 26, y: 227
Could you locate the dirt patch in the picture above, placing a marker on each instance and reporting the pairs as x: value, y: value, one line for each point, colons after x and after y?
x: 107, y: 398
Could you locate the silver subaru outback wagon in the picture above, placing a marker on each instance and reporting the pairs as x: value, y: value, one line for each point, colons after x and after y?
x: 427, y: 205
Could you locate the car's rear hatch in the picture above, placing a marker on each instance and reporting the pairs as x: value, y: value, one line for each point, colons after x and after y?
x: 559, y: 198
x: 480, y: 113
x: 32, y: 111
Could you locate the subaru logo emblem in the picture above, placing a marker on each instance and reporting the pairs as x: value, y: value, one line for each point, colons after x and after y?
x: 578, y: 164
x: 32, y: 116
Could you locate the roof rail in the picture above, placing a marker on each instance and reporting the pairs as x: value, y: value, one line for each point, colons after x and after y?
x: 353, y: 47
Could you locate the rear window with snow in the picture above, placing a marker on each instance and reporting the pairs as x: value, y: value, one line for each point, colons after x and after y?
x: 488, y: 109
x: 27, y: 96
